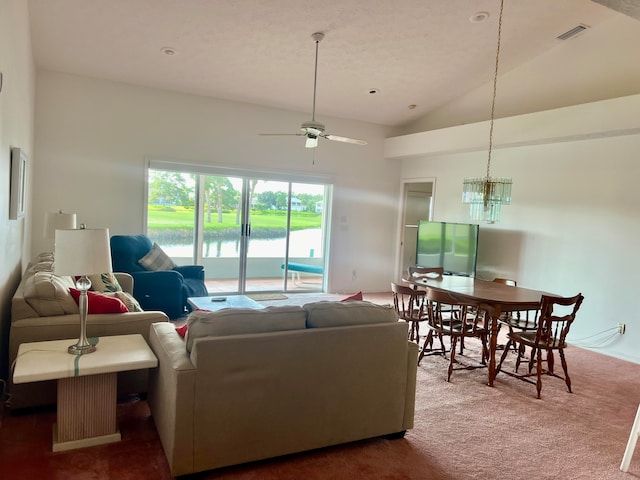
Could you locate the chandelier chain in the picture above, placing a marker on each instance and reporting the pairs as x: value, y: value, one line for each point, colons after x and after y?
x: 495, y: 84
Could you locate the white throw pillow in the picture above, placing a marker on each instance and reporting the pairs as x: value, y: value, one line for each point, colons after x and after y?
x: 48, y: 294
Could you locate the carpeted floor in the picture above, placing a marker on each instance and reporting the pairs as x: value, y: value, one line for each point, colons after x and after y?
x: 463, y: 430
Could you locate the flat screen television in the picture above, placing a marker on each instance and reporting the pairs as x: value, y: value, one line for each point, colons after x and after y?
x: 452, y: 246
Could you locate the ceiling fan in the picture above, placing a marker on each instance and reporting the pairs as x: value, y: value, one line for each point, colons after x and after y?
x: 312, y: 130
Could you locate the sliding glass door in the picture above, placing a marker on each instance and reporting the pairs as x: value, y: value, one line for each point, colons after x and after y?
x: 251, y: 234
x: 268, y: 220
x: 220, y: 240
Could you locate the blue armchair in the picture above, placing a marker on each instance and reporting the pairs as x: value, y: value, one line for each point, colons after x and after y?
x: 165, y: 290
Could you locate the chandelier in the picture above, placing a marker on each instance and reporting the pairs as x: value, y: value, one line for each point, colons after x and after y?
x: 486, y: 195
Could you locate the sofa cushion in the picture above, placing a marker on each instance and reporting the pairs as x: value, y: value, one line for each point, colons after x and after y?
x: 44, y: 256
x: 339, y: 314
x: 48, y: 294
x: 238, y: 321
x: 156, y: 259
x: 43, y: 266
x: 100, y: 303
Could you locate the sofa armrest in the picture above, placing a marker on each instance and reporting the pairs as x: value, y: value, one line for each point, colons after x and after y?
x: 61, y: 327
x: 191, y: 271
x: 410, y: 396
x: 159, y: 290
x: 125, y: 280
x: 156, y: 278
x: 171, y: 397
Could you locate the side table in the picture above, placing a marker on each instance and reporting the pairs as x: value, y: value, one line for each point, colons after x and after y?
x: 87, y: 384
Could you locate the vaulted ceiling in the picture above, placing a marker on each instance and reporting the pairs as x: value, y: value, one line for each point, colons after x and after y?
x: 410, y: 52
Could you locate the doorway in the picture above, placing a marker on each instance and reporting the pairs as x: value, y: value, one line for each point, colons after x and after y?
x: 417, y: 204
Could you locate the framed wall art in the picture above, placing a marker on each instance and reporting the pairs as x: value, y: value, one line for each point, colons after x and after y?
x: 18, y: 183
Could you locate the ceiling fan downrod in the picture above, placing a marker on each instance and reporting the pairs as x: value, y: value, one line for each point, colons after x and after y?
x: 317, y: 37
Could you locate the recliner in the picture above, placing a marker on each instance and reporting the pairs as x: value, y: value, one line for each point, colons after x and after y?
x: 164, y: 290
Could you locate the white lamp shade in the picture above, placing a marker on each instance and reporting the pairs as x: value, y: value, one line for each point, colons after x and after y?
x: 58, y: 221
x: 82, y: 252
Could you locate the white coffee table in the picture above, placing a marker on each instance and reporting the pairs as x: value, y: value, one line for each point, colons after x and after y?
x: 87, y: 384
x: 225, y: 301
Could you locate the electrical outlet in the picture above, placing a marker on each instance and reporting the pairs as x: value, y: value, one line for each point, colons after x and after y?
x: 622, y: 328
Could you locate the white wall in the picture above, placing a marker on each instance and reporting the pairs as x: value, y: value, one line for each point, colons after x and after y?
x: 92, y: 138
x: 16, y: 130
x: 573, y: 224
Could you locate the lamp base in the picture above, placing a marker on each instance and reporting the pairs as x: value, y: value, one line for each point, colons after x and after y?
x: 81, y: 349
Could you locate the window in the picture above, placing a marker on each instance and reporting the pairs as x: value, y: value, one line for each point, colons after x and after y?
x: 251, y: 231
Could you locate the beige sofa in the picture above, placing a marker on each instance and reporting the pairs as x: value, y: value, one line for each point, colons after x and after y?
x: 252, y: 384
x: 42, y: 309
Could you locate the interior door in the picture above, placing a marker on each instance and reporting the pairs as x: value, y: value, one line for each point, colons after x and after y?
x: 417, y: 206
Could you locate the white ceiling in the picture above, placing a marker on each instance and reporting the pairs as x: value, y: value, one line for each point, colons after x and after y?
x: 260, y: 51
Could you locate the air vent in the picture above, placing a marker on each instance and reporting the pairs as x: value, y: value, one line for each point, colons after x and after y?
x: 573, y: 32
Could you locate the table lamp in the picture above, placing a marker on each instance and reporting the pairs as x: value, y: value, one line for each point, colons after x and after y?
x: 79, y: 253
x: 58, y: 221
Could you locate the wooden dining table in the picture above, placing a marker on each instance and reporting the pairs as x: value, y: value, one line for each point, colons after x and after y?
x: 492, y: 297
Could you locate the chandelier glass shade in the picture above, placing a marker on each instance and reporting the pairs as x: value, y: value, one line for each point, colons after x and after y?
x: 486, y: 195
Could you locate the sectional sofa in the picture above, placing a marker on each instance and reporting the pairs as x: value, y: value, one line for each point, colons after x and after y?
x: 42, y: 308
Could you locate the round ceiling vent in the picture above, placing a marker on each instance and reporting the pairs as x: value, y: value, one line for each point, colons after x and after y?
x: 479, y: 17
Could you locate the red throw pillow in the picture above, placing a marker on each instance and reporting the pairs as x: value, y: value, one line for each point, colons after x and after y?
x: 355, y: 296
x: 182, y: 331
x: 99, y: 303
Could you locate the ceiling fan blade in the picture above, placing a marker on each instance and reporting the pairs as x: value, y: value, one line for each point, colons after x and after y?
x: 337, y: 138
x: 281, y: 134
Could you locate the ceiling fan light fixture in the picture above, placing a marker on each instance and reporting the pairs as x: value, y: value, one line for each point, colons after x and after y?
x: 312, y: 141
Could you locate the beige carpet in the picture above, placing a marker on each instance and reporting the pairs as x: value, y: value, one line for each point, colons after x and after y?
x: 464, y: 430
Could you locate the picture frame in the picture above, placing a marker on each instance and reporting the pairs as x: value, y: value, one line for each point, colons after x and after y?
x: 17, y: 189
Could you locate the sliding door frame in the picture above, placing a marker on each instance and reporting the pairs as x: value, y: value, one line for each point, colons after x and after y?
x: 245, y: 205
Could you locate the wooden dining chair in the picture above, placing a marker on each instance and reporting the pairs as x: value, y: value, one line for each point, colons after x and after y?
x: 557, y: 314
x: 442, y: 322
x: 416, y: 273
x: 520, y: 321
x: 425, y: 273
x: 409, y: 305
